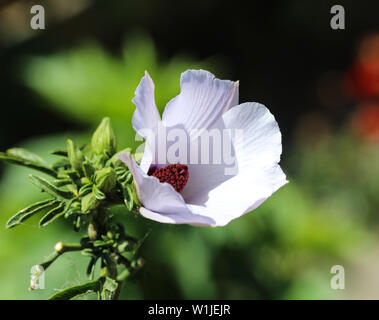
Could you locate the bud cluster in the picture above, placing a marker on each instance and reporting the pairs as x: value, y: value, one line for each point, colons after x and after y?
x: 87, y: 180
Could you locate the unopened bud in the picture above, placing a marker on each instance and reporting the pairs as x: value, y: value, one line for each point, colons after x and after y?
x: 104, y: 139
x: 89, y: 202
x: 75, y: 156
x: 106, y: 179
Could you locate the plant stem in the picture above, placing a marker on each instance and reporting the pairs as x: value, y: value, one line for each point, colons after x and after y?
x: 59, y: 249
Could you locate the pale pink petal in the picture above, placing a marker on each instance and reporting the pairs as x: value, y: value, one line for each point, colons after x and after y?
x: 146, y: 115
x: 202, y: 100
x: 146, y: 118
x: 160, y: 200
x: 259, y: 174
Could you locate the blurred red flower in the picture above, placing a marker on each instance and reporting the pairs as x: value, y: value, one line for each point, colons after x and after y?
x: 366, y: 121
x: 362, y: 79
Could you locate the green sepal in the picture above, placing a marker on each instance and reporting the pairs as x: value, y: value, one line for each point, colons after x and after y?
x: 48, y: 187
x: 26, y: 158
x: 30, y: 211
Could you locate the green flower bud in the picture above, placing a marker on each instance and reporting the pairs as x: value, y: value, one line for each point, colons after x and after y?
x: 89, y: 202
x: 105, y: 179
x: 75, y: 156
x: 104, y: 139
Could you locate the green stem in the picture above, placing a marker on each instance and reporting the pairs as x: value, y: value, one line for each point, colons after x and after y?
x: 59, y: 249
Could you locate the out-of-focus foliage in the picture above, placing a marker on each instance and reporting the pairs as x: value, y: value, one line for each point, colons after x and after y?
x: 88, y: 83
x: 284, y: 249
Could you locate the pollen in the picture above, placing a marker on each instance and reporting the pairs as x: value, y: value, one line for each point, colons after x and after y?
x: 175, y: 174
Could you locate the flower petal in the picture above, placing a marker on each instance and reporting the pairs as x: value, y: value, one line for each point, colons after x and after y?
x: 259, y: 174
x: 202, y: 100
x: 146, y: 115
x: 146, y: 118
x: 162, y: 203
x: 262, y: 141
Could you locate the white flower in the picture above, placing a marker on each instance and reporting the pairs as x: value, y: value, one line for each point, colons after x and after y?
x: 210, y: 197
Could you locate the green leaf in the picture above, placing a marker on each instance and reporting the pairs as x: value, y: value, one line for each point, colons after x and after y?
x: 88, y: 252
x: 75, y: 291
x: 101, y: 243
x: 26, y: 158
x: 29, y: 211
x: 91, y: 267
x: 61, y: 163
x: 62, y: 182
x: 98, y: 193
x: 84, y: 190
x: 59, y: 152
x: 54, y: 214
x: 88, y: 169
x: 48, y: 187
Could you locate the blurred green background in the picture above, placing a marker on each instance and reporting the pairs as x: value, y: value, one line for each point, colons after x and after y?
x: 322, y: 86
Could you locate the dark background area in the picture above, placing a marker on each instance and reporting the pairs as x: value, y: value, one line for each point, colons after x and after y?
x: 275, y: 48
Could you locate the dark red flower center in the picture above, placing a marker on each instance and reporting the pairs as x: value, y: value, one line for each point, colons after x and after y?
x: 175, y: 174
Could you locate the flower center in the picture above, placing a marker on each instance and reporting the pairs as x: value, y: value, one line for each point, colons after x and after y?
x: 174, y: 174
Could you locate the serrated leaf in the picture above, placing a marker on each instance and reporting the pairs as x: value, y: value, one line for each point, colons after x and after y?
x: 29, y: 211
x: 54, y: 214
x: 48, y: 187
x: 28, y: 159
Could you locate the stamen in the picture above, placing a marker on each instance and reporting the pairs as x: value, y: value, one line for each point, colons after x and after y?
x: 175, y: 174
